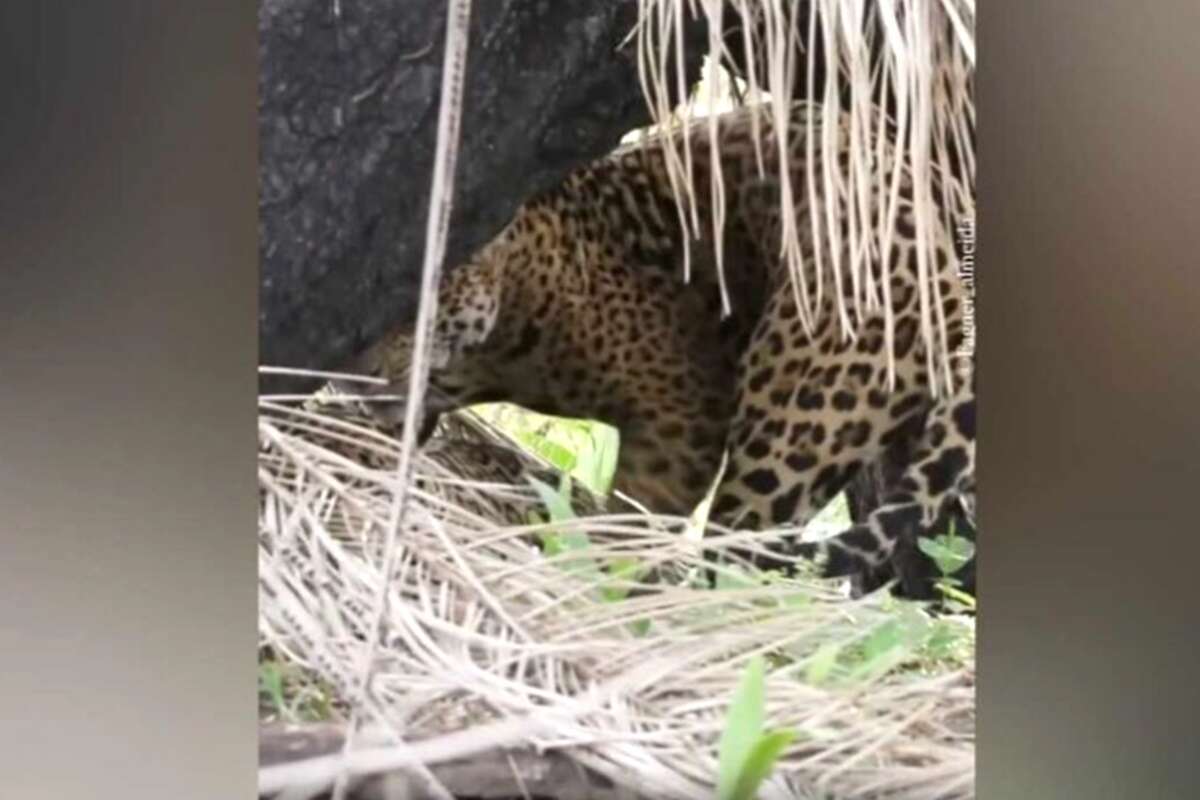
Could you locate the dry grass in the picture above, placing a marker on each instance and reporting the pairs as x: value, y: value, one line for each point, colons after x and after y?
x: 926, y: 61
x: 488, y: 641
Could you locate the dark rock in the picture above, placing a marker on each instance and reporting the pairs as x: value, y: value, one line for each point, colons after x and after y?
x: 347, y: 124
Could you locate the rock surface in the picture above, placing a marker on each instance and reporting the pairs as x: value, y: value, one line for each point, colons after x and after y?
x: 348, y: 103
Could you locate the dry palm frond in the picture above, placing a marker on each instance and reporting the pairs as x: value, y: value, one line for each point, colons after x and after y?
x: 919, y: 53
x: 493, y: 644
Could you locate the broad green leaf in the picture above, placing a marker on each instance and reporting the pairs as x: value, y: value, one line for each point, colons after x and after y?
x: 608, y: 448
x: 743, y: 724
x: 949, y: 551
x: 891, y: 644
x: 558, y: 542
x: 883, y: 639
x: 553, y: 452
x: 760, y: 762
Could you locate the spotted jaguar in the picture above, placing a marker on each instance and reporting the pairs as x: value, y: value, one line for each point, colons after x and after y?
x: 579, y: 307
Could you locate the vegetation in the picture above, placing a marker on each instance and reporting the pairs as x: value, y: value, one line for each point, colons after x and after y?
x: 604, y: 601
x: 906, y: 638
x: 746, y: 753
x: 583, y: 449
x: 909, y: 638
x: 289, y: 693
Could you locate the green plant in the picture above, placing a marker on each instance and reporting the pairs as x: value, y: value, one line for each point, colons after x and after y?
x: 270, y: 687
x: 950, y: 553
x: 585, y: 449
x: 290, y: 693
x: 746, y: 753
x: 558, y: 508
x: 611, y: 577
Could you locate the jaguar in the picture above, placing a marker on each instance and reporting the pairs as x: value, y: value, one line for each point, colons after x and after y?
x: 599, y: 300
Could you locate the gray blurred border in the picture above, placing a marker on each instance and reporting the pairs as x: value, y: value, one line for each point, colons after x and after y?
x: 1089, y: 435
x: 128, y: 325
x: 127, y: 234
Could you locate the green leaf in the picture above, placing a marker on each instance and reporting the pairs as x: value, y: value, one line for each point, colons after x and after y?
x: 891, y: 644
x: 821, y: 664
x: 608, y: 448
x: 729, y: 578
x: 883, y: 639
x: 622, y: 569
x: 797, y: 599
x: 270, y: 683
x: 553, y: 544
x: 557, y: 501
x: 743, y: 724
x: 949, y: 551
x: 557, y: 542
x: 948, y: 641
x: 760, y: 762
x: 556, y: 454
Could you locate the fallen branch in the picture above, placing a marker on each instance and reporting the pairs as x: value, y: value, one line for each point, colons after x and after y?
x: 305, y: 755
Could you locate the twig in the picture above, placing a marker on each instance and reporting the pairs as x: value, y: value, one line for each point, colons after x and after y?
x: 440, y: 199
